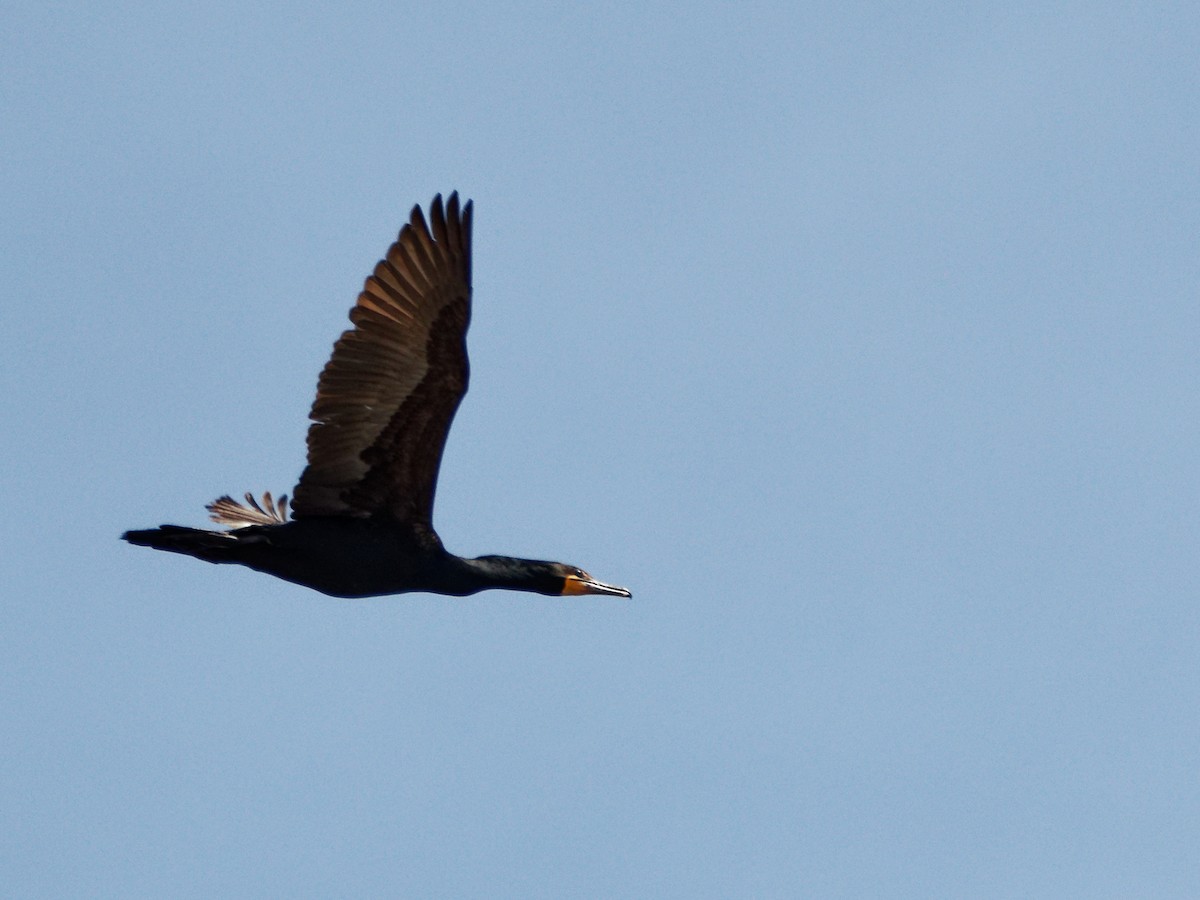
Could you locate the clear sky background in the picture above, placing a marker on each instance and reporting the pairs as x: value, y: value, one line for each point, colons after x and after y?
x: 860, y: 340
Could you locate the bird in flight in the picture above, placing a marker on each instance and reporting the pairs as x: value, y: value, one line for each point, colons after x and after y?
x: 361, y: 522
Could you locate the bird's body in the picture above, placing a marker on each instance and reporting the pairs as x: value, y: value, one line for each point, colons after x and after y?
x: 339, y: 556
x: 361, y: 521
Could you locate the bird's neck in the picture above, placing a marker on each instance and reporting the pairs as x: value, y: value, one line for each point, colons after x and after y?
x: 469, y: 576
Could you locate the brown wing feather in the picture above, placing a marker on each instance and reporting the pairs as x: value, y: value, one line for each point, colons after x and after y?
x: 227, y: 511
x: 387, y: 396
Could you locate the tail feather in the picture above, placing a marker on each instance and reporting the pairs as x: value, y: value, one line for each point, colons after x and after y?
x: 213, y: 546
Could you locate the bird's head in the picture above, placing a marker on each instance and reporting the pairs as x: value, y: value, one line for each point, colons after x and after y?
x: 575, y: 581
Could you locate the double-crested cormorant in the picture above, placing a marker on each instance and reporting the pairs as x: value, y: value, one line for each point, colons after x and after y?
x: 361, y: 519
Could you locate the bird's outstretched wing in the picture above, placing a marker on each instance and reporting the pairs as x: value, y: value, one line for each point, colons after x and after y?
x: 387, y: 396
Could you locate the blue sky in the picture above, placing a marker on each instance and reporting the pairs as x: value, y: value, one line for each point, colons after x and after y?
x: 859, y: 340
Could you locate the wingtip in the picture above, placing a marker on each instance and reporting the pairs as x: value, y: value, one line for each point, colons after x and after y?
x: 450, y: 205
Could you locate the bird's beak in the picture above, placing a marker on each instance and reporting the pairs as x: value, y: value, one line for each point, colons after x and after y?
x: 588, y: 585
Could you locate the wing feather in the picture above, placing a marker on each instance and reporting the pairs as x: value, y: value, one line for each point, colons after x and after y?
x: 388, y: 394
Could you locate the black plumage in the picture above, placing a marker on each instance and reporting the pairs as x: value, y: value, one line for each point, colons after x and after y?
x: 361, y: 515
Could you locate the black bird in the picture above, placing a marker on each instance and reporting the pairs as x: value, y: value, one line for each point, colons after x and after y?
x: 362, y: 515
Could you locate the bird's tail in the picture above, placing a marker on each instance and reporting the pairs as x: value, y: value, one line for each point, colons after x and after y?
x: 213, y: 546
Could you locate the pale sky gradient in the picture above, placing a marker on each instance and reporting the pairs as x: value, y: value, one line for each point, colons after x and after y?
x: 860, y: 340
